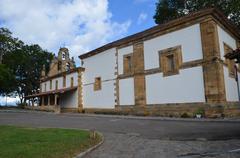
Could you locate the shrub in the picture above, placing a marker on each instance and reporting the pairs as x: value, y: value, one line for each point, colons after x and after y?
x: 200, y: 111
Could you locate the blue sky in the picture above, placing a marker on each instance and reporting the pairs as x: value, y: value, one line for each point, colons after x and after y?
x: 80, y: 25
x: 140, y: 12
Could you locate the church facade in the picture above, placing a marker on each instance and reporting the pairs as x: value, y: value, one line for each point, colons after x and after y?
x: 167, y: 70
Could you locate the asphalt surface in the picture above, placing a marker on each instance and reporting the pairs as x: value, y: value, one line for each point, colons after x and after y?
x: 126, y: 137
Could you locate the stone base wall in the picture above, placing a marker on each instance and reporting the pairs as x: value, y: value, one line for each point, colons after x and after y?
x: 50, y: 108
x: 230, y: 109
x: 70, y: 110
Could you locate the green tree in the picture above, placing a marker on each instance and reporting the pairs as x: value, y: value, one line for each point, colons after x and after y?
x: 171, y: 9
x: 7, y: 42
x: 20, y: 65
x: 7, y: 80
x: 26, y: 63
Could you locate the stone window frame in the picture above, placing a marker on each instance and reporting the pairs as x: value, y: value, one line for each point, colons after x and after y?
x: 97, y: 84
x: 40, y: 87
x: 45, y: 87
x: 230, y: 63
x: 127, y: 69
x: 64, y: 80
x: 72, y: 82
x: 176, y: 52
x: 56, y: 85
x: 50, y: 84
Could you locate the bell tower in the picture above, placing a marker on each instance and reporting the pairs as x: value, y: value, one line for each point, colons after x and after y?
x: 64, y: 61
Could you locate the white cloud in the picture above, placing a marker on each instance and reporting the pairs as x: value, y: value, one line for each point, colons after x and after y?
x: 141, y: 18
x: 80, y: 25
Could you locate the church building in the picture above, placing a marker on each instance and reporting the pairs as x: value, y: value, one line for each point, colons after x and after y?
x: 168, y: 70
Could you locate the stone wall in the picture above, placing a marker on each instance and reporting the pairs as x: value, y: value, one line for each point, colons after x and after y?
x: 231, y: 109
x: 50, y: 108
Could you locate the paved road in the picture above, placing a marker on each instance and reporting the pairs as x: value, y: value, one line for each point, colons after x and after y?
x: 130, y: 138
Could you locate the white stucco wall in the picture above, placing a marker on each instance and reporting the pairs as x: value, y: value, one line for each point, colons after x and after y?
x: 69, y: 99
x: 230, y: 83
x: 68, y: 79
x: 189, y: 38
x: 225, y: 37
x: 103, y: 98
x: 100, y: 65
x: 186, y: 87
x: 126, y: 91
x: 121, y: 53
x: 60, y: 83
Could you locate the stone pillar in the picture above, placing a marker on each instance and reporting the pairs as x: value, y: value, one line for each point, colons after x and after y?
x: 139, y: 77
x: 212, y: 68
x: 32, y: 101
x: 42, y: 100
x: 49, y: 100
x: 55, y: 99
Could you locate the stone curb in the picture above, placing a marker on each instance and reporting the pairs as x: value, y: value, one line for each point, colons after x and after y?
x: 129, y: 116
x: 156, y: 118
x: 82, y: 154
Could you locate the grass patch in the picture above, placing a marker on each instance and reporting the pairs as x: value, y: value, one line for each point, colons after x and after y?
x: 19, y: 142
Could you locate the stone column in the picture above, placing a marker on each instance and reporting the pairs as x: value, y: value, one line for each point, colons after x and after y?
x: 49, y: 100
x: 55, y: 99
x: 42, y: 100
x: 212, y: 69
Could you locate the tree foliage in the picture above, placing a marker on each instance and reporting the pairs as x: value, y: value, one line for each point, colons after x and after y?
x: 7, y: 80
x: 171, y: 9
x: 22, y: 61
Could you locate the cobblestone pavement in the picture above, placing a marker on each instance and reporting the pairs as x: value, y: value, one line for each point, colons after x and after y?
x: 143, y: 138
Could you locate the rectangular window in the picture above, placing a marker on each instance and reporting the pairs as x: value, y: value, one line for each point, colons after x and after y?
x: 97, y: 84
x: 127, y: 63
x: 50, y: 84
x: 170, y: 63
x: 56, y: 85
x: 64, y: 81
x: 170, y: 60
x: 72, y: 82
x: 45, y: 87
x: 230, y: 63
